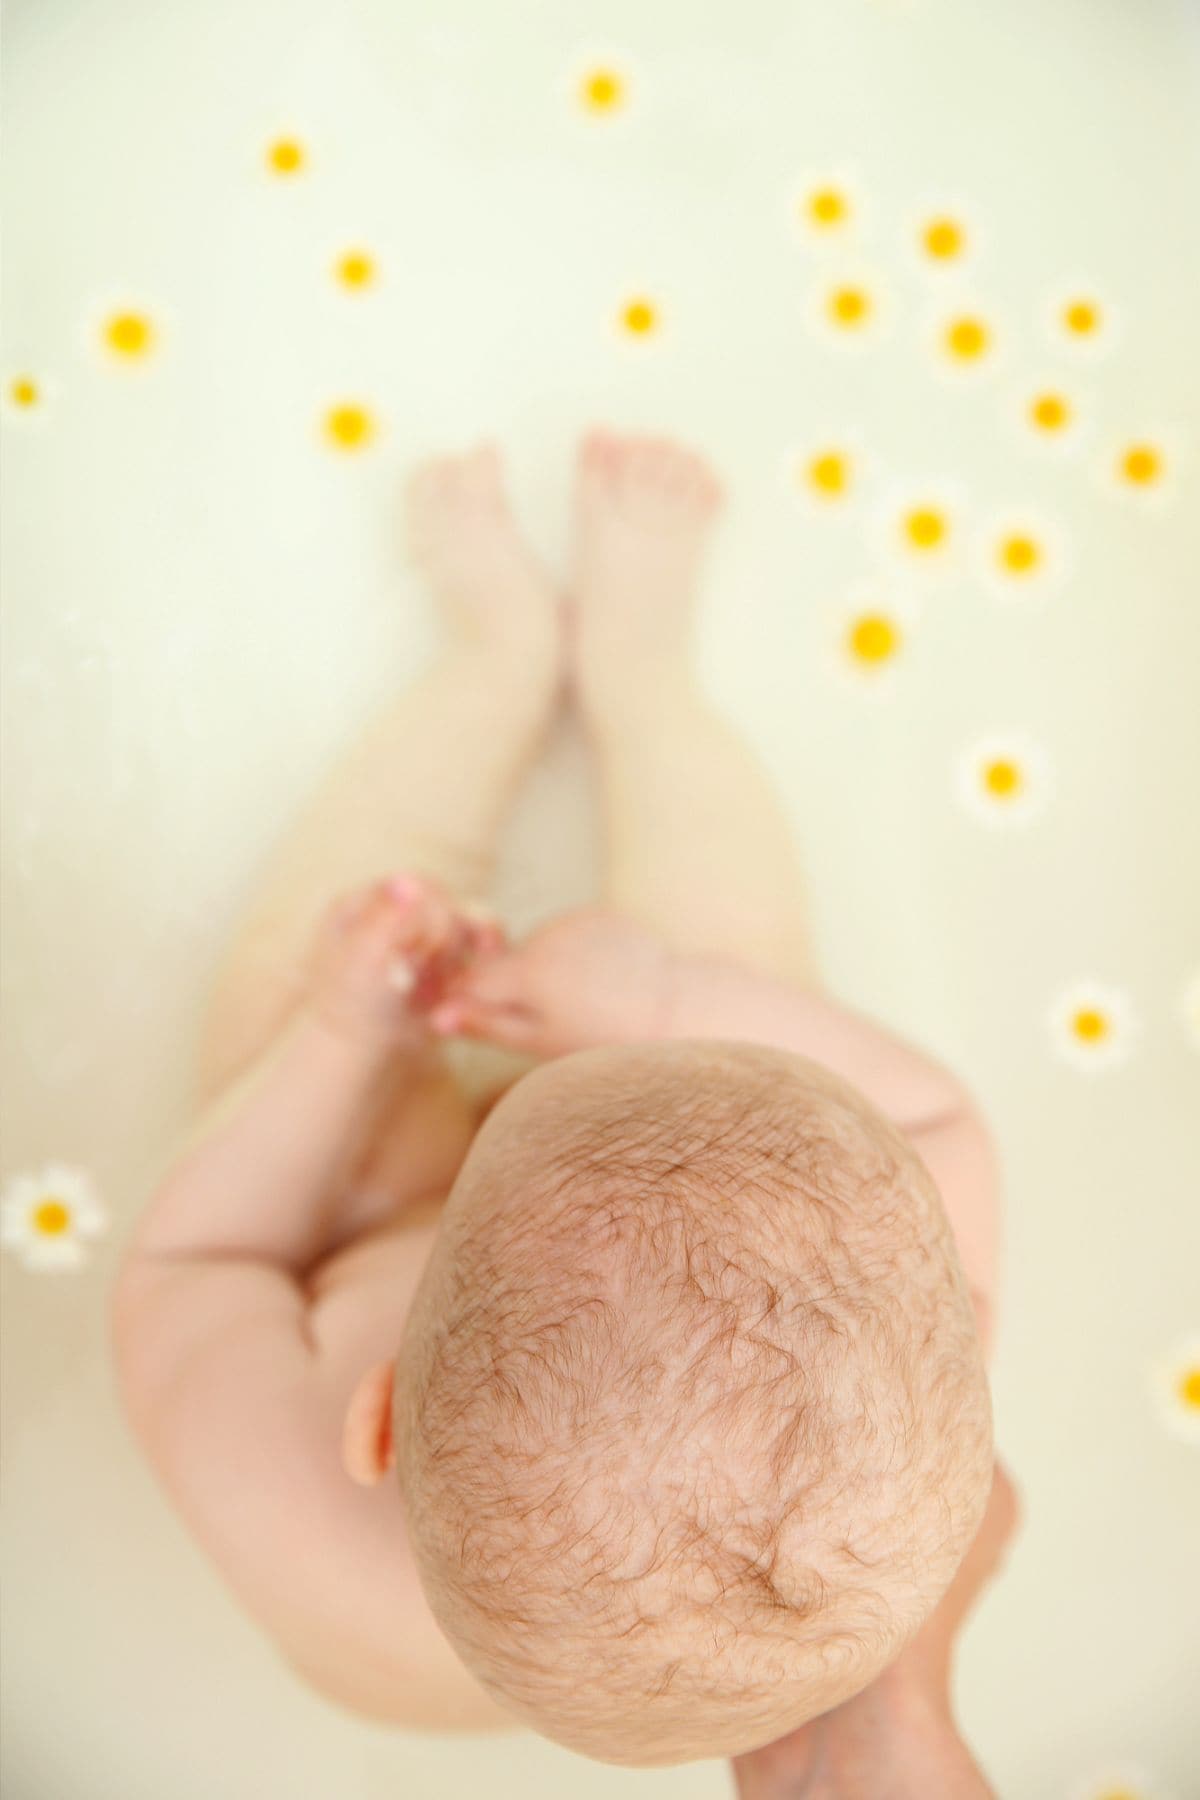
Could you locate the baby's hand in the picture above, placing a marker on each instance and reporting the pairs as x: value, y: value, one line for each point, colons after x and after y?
x: 587, y: 978
x: 384, y: 954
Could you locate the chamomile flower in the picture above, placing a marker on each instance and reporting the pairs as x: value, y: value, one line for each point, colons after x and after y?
x: 1092, y: 1025
x: 849, y: 309
x: 826, y: 207
x: 942, y: 237
x: 1048, y: 415
x: 600, y: 85
x: 126, y: 333
x: 349, y: 425
x: 1141, y: 466
x: 639, y: 317
x: 1003, y: 780
x: 356, y: 269
x: 965, y: 341
x: 1081, y: 318
x: 26, y: 396
x: 1189, y: 1008
x: 1020, y: 556
x: 48, y: 1217
x: 285, y: 156
x: 919, y: 527
x: 1119, y: 1781
x: 827, y: 474
x: 1175, y: 1388
x: 872, y: 633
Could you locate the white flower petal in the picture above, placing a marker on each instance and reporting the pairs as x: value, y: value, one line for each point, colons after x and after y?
x: 49, y: 1254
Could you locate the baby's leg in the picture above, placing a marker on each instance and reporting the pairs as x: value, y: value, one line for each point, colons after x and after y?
x: 698, y: 845
x: 427, y: 785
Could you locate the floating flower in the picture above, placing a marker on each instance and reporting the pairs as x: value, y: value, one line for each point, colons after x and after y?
x: 941, y: 236
x: 1117, y: 1782
x: 128, y: 333
x: 601, y: 88
x: 920, y: 527
x: 349, y: 425
x: 873, y: 640
x: 286, y: 156
x: 1142, y: 467
x: 1020, y: 555
x: 871, y: 637
x: 639, y: 317
x: 1092, y: 1026
x: 1003, y: 780
x: 848, y: 309
x: 1175, y: 1387
x: 1049, y: 415
x: 356, y: 270
x: 966, y: 341
x: 826, y: 207
x: 1079, y: 317
x: 47, y: 1217
x: 26, y: 396
x: 828, y: 473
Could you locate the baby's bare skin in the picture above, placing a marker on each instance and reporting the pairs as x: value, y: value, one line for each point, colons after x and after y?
x: 321, y: 1557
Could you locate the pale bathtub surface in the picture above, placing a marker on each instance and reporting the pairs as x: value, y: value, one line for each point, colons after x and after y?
x: 201, y: 600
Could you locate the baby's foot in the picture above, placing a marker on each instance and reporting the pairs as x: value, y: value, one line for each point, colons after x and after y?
x: 464, y: 539
x: 643, y: 511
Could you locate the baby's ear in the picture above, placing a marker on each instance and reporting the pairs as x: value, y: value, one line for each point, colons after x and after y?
x: 367, y: 1448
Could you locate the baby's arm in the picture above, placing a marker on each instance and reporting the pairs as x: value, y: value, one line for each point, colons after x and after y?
x: 716, y: 997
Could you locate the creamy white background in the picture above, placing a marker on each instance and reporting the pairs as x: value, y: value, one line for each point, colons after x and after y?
x: 201, y: 602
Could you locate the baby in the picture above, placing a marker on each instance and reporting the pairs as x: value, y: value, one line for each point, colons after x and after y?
x: 677, y: 1346
x: 692, y: 1417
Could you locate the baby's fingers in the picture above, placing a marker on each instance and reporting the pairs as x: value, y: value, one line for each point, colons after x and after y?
x: 512, y: 1027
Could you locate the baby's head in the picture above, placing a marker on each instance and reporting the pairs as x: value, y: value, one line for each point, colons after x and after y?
x: 692, y: 1420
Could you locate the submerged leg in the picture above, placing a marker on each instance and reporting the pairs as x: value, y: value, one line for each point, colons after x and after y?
x: 428, y: 784
x: 698, y: 845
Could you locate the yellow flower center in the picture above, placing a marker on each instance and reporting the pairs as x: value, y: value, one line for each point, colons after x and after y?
x: 874, y: 638
x: 827, y: 207
x: 1090, y: 1025
x: 640, y: 317
x: 1081, y: 317
x: 1189, y: 1388
x: 849, y: 306
x: 1121, y: 1793
x: 24, y: 391
x: 829, y: 473
x: 1020, y: 555
x: 349, y: 426
x: 1050, y: 412
x: 1002, y: 778
x: 925, y: 529
x: 944, y: 239
x: 1141, y: 464
x: 967, y: 338
x: 51, y: 1217
x: 602, y: 90
x: 286, y: 157
x: 129, y: 334
x: 356, y: 269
